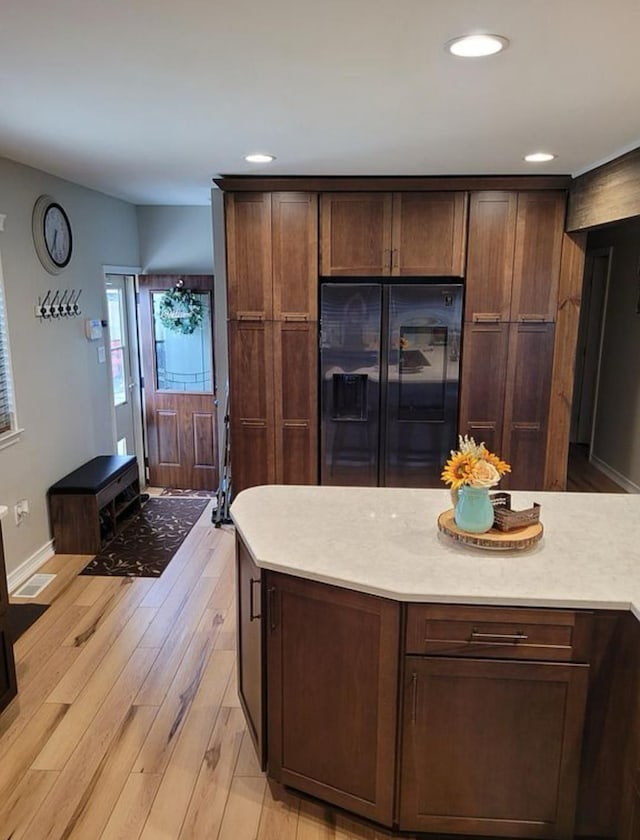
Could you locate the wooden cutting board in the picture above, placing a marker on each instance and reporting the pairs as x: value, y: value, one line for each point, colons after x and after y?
x: 519, y: 539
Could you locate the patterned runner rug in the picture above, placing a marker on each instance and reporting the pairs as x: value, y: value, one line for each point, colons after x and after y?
x: 204, y: 494
x: 147, y: 543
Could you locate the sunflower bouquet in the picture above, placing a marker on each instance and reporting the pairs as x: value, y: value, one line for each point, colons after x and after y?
x: 473, y: 465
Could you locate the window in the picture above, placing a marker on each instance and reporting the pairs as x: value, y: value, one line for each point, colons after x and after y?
x: 8, y: 425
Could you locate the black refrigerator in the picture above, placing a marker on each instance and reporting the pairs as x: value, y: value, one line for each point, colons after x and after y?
x: 389, y: 370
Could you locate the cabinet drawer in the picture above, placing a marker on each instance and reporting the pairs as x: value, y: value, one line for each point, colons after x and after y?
x: 117, y: 485
x: 503, y: 633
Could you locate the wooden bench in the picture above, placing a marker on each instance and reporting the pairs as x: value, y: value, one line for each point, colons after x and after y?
x: 90, y: 505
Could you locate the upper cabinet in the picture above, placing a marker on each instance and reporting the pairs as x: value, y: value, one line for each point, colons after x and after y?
x: 393, y: 234
x: 514, y: 250
x: 272, y: 256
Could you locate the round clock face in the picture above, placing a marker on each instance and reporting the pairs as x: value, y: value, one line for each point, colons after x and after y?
x: 57, y: 235
x: 51, y: 234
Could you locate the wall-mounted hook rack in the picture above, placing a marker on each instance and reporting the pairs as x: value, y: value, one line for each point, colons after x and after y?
x: 59, y: 304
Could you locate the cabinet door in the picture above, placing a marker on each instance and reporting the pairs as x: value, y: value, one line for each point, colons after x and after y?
x: 538, y: 248
x: 249, y: 256
x: 332, y: 679
x: 492, y: 230
x: 526, y: 408
x: 8, y: 687
x: 251, y: 660
x: 251, y: 403
x: 491, y: 748
x: 484, y: 370
x: 429, y: 232
x: 355, y: 234
x: 295, y: 256
x: 296, y: 402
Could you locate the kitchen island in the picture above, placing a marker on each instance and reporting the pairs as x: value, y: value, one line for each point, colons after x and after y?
x: 439, y: 688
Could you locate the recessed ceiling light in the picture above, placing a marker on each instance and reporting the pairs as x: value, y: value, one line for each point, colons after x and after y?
x: 259, y: 158
x: 539, y: 157
x: 477, y: 46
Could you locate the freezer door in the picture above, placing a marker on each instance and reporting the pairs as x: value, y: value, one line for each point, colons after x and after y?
x: 350, y: 318
x: 420, y: 383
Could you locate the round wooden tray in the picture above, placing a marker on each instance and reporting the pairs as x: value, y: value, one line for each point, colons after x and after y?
x: 519, y: 539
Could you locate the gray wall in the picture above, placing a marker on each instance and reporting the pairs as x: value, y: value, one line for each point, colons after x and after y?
x: 62, y: 391
x: 175, y: 240
x: 617, y: 425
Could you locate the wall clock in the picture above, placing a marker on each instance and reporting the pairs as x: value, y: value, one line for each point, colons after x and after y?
x: 51, y: 234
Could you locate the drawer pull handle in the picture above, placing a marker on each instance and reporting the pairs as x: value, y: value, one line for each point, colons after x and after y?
x: 498, y: 637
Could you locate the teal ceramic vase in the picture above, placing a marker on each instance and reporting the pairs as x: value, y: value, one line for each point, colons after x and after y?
x: 473, y: 511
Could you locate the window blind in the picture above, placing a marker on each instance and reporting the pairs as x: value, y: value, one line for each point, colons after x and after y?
x: 6, y: 388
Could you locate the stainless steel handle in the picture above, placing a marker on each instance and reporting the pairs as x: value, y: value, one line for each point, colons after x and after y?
x: 499, y: 637
x: 253, y: 616
x: 250, y: 316
x: 395, y: 258
x: 414, y: 697
x: 293, y: 318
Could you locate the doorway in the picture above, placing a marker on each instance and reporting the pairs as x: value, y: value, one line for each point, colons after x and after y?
x: 582, y: 475
x: 176, y: 342
x: 589, y: 346
x: 126, y: 402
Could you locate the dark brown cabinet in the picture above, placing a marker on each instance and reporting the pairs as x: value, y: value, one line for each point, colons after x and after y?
x: 493, y: 713
x: 514, y: 250
x: 272, y: 245
x: 332, y: 682
x: 8, y: 685
x: 419, y: 234
x: 251, y: 659
x: 513, y: 270
x: 472, y: 724
x: 491, y: 747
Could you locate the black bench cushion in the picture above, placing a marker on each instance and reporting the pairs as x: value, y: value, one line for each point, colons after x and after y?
x: 94, y: 475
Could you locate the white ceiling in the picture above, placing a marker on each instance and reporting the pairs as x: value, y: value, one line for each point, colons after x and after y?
x: 148, y: 100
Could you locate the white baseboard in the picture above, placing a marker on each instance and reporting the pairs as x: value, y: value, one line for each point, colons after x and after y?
x: 614, y: 475
x: 31, y: 565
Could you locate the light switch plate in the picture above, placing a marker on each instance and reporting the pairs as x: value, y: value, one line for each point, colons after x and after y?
x: 101, y: 355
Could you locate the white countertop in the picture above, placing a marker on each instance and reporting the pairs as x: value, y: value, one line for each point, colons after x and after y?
x: 385, y: 541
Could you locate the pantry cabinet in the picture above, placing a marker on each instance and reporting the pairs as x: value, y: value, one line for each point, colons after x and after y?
x: 397, y: 234
x: 505, y: 241
x: 513, y: 270
x: 272, y: 246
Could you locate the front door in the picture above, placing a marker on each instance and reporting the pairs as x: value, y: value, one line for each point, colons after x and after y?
x: 177, y: 361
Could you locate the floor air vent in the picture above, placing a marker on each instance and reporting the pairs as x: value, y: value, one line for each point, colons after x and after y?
x: 33, y: 587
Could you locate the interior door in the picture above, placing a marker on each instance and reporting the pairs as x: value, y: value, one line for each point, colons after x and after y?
x: 178, y: 386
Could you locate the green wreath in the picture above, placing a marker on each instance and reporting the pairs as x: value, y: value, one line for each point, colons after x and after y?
x: 180, y: 311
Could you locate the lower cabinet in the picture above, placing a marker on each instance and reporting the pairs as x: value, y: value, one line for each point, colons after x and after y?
x: 251, y: 659
x: 491, y: 747
x: 332, y: 685
x: 468, y: 722
x: 8, y: 685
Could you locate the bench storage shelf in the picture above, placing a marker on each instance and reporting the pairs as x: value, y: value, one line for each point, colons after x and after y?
x: 89, y: 506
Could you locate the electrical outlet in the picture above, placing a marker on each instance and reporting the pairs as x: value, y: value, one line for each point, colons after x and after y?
x: 21, y: 511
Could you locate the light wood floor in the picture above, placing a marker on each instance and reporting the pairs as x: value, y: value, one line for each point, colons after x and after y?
x: 127, y: 723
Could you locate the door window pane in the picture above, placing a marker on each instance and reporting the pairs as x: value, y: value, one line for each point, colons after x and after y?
x: 115, y: 305
x: 183, y: 362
